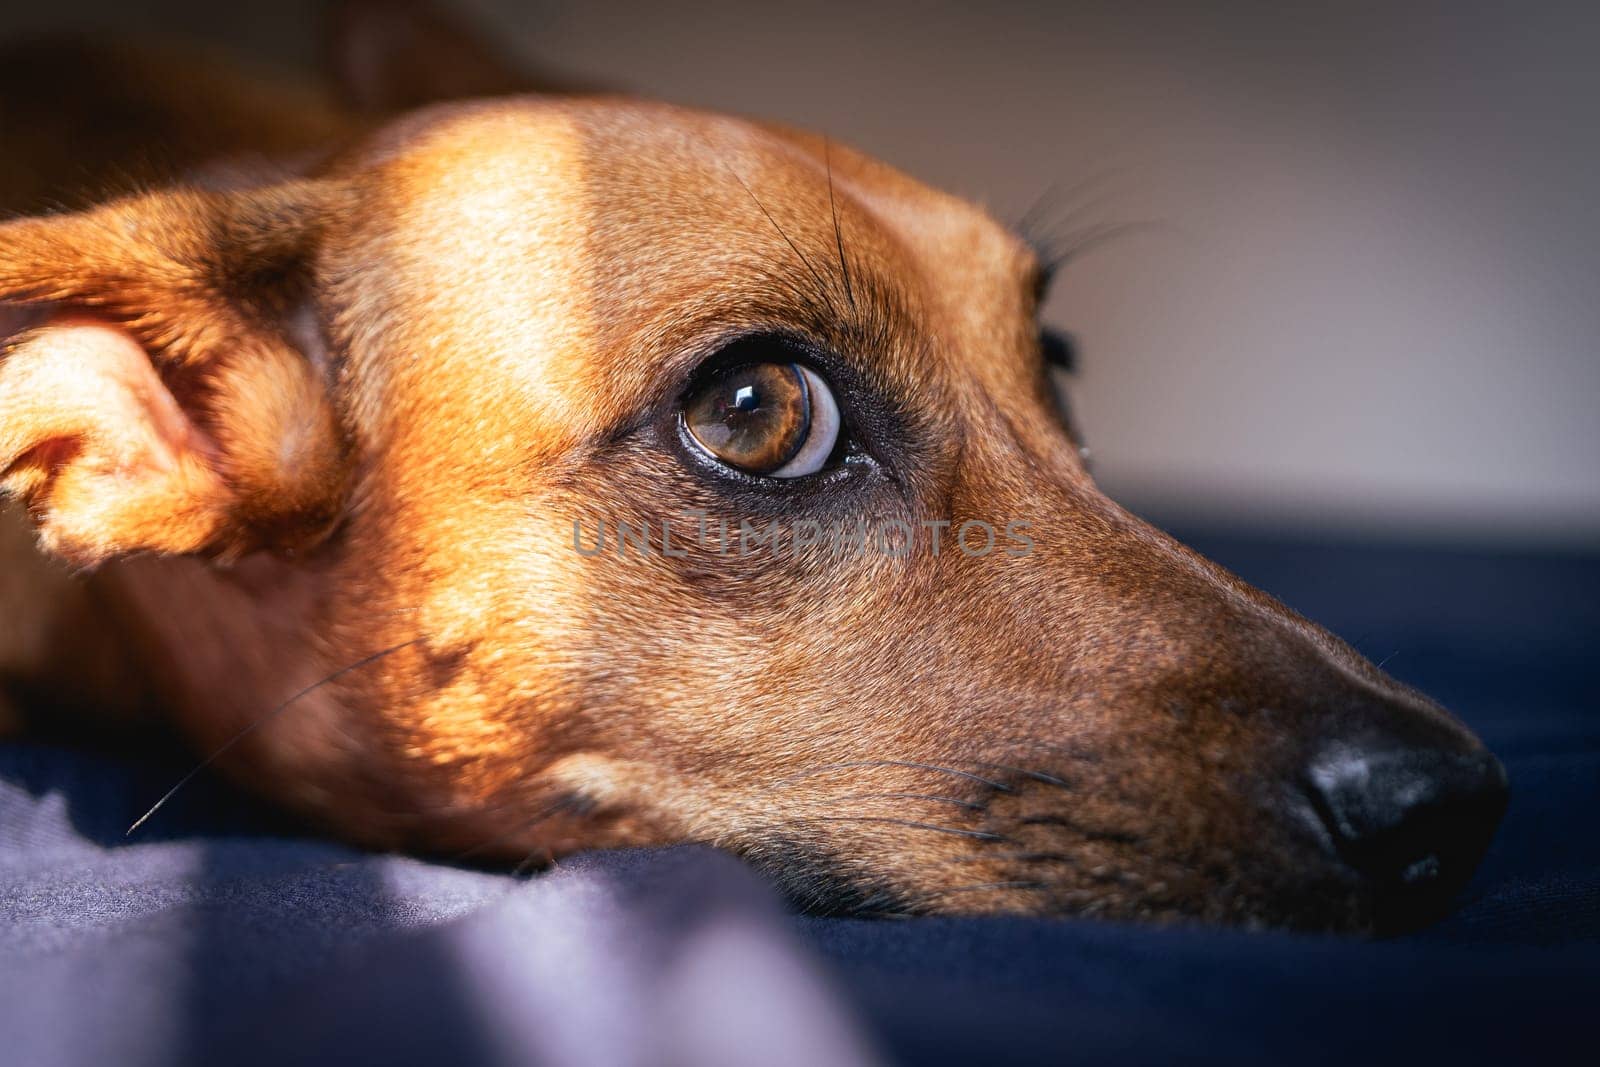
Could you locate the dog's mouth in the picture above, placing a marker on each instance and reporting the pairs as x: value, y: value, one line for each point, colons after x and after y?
x: 817, y: 882
x: 1399, y: 870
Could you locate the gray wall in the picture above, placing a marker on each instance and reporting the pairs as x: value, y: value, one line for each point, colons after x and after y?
x: 1373, y: 296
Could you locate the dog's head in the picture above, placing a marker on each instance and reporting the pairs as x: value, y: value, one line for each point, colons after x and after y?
x: 643, y: 475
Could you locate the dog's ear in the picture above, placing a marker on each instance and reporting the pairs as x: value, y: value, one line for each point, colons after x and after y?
x: 392, y: 55
x: 174, y: 399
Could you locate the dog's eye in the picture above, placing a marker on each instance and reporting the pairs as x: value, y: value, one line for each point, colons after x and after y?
x: 1061, y: 355
x: 1059, y: 349
x: 779, y: 420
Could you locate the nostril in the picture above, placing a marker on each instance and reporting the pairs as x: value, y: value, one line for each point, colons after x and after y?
x: 1409, y: 817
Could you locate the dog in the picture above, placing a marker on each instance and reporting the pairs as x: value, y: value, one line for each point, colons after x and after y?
x: 507, y: 475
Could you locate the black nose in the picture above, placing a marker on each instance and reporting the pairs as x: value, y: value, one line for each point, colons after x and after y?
x: 1413, y: 821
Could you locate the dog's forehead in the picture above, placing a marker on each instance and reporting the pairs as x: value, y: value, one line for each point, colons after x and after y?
x: 555, y: 256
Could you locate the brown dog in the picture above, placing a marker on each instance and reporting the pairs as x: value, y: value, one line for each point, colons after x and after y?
x: 343, y: 405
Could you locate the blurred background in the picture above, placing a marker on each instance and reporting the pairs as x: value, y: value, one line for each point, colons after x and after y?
x: 1370, y: 301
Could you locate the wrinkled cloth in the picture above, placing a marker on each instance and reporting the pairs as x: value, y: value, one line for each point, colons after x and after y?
x: 219, y: 934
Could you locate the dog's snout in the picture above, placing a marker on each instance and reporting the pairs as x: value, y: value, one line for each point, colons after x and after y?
x: 1412, y: 820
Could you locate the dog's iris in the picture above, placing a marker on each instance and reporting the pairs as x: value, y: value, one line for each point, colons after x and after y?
x: 775, y: 419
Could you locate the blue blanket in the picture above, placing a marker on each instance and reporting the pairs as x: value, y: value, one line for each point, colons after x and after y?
x: 218, y: 935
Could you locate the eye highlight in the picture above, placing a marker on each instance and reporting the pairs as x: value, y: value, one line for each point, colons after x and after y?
x: 777, y: 420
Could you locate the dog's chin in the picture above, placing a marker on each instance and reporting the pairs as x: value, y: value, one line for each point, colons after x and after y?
x: 818, y: 882
x: 1326, y: 910
x: 1328, y: 901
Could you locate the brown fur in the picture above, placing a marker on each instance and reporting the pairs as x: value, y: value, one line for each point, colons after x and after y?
x: 294, y: 422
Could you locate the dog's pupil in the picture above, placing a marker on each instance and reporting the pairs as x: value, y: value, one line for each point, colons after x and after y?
x: 754, y: 417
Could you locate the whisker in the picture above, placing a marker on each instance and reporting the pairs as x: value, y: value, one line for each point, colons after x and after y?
x: 1037, y: 776
x: 1025, y: 856
x: 1057, y: 195
x: 822, y: 287
x: 262, y: 720
x: 838, y: 235
x: 1062, y: 249
x: 1090, y: 833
